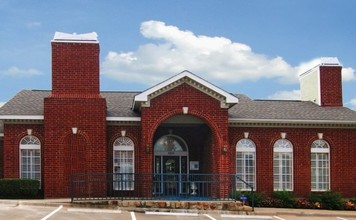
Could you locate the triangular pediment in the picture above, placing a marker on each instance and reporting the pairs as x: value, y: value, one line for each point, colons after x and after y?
x: 143, y: 99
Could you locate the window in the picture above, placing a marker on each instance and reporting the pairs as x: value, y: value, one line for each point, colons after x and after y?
x: 283, y: 165
x: 320, y: 166
x: 30, y: 158
x: 246, y: 163
x: 123, y: 160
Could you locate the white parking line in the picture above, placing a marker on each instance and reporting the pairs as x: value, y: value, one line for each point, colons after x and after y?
x: 172, y: 213
x: 209, y: 217
x: 93, y: 210
x: 246, y: 216
x: 278, y: 218
x: 52, y: 213
x: 341, y: 218
x: 133, y: 216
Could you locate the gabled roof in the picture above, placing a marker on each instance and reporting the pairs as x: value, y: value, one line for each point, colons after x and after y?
x: 143, y: 99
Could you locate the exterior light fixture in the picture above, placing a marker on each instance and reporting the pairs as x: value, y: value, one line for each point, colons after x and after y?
x: 74, y: 130
x: 320, y: 136
x: 246, y: 134
x: 224, y: 149
x: 29, y: 131
x: 123, y: 133
x: 185, y: 110
x: 283, y: 135
x: 148, y: 148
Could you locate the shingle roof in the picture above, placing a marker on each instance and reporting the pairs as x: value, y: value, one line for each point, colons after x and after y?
x: 119, y: 104
x: 30, y: 102
x: 288, y: 110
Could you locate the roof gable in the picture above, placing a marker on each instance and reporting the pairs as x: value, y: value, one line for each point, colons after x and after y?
x: 143, y: 99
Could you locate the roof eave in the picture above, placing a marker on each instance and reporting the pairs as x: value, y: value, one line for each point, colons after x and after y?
x: 21, y: 117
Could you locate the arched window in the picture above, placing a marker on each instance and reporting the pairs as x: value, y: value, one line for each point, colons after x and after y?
x: 123, y: 161
x: 320, y: 166
x: 283, y: 165
x: 246, y: 163
x: 30, y: 158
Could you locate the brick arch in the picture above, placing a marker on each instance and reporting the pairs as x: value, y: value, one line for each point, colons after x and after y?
x: 117, y: 135
x: 207, y: 120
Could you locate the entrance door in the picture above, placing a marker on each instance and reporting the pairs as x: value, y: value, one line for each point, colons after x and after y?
x: 171, y: 173
x: 170, y: 166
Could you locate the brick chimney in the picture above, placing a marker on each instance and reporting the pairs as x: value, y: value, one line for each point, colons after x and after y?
x: 75, y: 64
x: 74, y: 114
x: 323, y: 83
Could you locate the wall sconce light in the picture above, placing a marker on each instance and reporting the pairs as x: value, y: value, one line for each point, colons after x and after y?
x: 185, y: 110
x: 283, y: 135
x: 29, y: 131
x: 320, y: 136
x: 224, y: 149
x: 123, y: 133
x: 246, y: 134
x: 148, y: 148
x: 74, y: 130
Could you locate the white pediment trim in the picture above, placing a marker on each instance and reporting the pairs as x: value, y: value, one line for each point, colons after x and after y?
x: 143, y: 99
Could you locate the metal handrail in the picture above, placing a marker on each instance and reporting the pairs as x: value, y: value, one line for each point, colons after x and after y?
x: 157, y: 186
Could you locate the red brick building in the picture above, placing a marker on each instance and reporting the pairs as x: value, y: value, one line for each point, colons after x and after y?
x: 184, y: 125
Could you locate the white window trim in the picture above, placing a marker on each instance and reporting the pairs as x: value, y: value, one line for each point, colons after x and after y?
x: 279, y: 149
x: 322, y: 151
x: 128, y: 146
x: 30, y: 147
x: 242, y: 148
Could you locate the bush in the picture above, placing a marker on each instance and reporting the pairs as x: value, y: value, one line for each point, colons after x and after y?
x: 19, y: 188
x: 327, y: 200
x: 254, y: 197
x: 287, y: 199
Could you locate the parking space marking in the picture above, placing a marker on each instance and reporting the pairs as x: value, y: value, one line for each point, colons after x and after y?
x: 52, y: 213
x: 133, y: 216
x: 93, y: 210
x: 341, y: 218
x: 278, y: 218
x: 246, y: 216
x: 172, y: 213
x: 209, y: 217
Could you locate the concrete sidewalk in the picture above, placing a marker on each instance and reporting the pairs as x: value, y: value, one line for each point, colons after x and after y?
x: 303, y: 212
x: 66, y: 202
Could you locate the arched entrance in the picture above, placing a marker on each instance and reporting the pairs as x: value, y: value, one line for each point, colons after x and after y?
x: 170, y: 165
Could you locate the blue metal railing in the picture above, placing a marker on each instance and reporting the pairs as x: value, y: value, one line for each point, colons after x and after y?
x: 133, y: 186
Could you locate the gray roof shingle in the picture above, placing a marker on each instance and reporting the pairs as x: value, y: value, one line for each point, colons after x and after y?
x: 288, y: 110
x: 119, y: 104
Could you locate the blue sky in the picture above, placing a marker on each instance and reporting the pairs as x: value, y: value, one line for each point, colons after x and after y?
x: 257, y: 48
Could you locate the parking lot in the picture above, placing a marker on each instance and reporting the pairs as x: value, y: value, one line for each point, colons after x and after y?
x: 38, y: 212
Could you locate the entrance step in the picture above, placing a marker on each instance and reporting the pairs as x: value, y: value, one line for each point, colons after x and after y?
x: 236, y: 207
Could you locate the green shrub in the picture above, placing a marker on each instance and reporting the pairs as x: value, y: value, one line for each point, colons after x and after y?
x: 254, y: 197
x: 19, y: 188
x: 287, y: 199
x: 327, y: 200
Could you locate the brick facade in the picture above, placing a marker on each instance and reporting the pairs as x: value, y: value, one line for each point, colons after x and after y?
x: 75, y: 102
x: 330, y: 86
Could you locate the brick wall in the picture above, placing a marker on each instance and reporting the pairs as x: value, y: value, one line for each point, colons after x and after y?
x: 13, y: 133
x: 331, y: 86
x: 201, y: 105
x: 342, y: 156
x: 75, y: 68
x: 1, y: 157
x: 68, y: 153
x: 132, y: 132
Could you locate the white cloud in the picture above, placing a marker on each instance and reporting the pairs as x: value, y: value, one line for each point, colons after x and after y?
x: 352, y: 104
x: 18, y: 72
x: 348, y: 74
x: 286, y: 95
x: 33, y: 24
x: 218, y: 58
